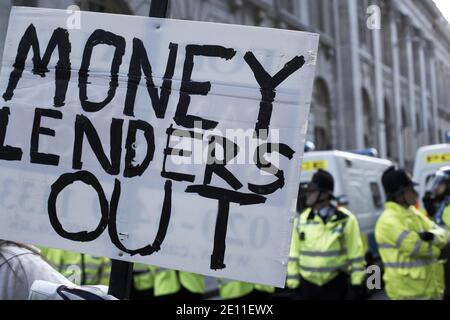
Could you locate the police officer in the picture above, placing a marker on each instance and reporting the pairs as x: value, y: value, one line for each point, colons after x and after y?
x: 437, y: 204
x: 437, y: 197
x: 232, y: 290
x: 326, y: 247
x: 80, y: 268
x: 409, y: 243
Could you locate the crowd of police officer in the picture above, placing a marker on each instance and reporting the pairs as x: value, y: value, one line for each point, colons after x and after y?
x: 327, y: 258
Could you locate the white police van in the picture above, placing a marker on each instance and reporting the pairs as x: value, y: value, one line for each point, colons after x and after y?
x: 357, y: 185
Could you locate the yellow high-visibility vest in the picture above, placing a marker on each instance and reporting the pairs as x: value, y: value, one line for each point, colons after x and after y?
x: 76, y: 266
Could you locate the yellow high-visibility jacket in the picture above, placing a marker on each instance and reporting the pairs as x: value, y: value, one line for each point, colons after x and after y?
x: 446, y: 217
x: 86, y: 269
x: 320, y: 251
x: 170, y: 281
x: 143, y: 276
x: 412, y: 269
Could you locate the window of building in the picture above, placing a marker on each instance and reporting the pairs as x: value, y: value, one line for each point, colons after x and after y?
x: 405, y: 120
x: 428, y: 69
x: 386, y: 42
x: 362, y: 24
x: 390, y: 129
x: 439, y: 83
x: 109, y: 6
x: 368, y: 120
x: 406, y: 134
x: 417, y: 62
x: 418, y: 123
x: 430, y: 130
x: 321, y: 109
x: 402, y: 51
x: 446, y: 80
x: 447, y: 85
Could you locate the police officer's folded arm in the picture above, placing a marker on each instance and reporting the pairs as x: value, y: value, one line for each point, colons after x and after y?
x: 438, y: 234
x: 408, y: 241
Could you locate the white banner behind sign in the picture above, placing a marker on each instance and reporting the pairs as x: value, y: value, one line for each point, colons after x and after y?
x: 50, y: 174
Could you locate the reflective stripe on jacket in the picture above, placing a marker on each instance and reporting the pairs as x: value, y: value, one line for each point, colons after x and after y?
x: 78, y: 267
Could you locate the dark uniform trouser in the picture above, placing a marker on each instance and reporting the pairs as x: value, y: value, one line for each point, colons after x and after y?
x: 255, y: 295
x: 141, y: 294
x: 336, y: 289
x: 182, y: 295
x: 445, y: 254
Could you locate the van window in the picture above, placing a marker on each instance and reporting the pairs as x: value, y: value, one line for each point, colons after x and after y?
x: 301, y: 198
x: 428, y: 178
x: 376, y: 195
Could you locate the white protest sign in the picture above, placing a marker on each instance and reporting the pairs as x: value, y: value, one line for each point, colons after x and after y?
x: 165, y: 142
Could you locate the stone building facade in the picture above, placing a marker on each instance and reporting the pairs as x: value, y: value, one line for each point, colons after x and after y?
x: 383, y: 77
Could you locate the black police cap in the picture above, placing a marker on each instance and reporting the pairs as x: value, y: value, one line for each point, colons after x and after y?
x: 395, y: 180
x: 322, y: 180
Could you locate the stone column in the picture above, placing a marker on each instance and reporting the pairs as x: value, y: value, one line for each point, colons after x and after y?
x: 423, y: 88
x: 304, y: 12
x: 5, y: 8
x: 411, y: 82
x: 396, y: 87
x: 327, y: 23
x: 379, y: 92
x: 434, y: 93
x: 338, y: 106
x: 352, y: 115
